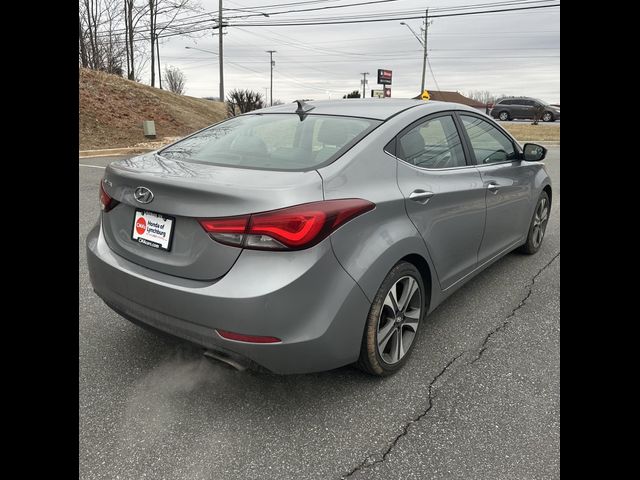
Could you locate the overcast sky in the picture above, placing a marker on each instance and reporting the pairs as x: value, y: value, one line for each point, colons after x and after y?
x: 514, y: 53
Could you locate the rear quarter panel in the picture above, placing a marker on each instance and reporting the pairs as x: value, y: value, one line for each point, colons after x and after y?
x: 370, y: 245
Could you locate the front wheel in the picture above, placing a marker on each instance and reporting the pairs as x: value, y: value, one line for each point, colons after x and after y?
x: 393, y: 321
x: 538, y: 225
x: 547, y: 117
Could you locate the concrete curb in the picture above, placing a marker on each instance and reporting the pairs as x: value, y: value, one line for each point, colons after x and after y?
x: 108, y: 152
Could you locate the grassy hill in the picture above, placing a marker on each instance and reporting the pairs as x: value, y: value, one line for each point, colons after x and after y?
x: 112, y: 110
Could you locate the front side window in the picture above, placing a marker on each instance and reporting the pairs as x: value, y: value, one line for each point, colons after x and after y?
x: 434, y: 143
x: 489, y: 144
x: 272, y: 141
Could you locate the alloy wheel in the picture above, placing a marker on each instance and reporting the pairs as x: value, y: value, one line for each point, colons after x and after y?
x: 399, y: 319
x: 540, y: 220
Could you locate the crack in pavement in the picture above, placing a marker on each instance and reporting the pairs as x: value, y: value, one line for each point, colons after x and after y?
x: 369, y: 461
x: 508, y: 318
x: 366, y: 463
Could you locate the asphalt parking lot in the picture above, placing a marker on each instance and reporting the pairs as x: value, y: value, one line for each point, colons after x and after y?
x: 478, y: 399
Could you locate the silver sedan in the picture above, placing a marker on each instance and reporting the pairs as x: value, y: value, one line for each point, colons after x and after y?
x: 308, y: 236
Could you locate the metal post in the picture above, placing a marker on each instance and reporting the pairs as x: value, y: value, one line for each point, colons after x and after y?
x: 220, y: 51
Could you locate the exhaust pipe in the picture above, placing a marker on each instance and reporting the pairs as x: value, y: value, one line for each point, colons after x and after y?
x: 226, y: 359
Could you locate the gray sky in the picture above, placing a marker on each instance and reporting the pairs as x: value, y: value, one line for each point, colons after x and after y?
x: 514, y: 53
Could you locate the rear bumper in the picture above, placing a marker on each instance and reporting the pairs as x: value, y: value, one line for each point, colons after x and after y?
x: 304, y: 298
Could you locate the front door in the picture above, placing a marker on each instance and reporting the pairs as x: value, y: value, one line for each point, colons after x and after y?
x: 444, y: 194
x: 507, y: 181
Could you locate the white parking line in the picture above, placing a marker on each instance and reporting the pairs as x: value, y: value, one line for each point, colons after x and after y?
x: 92, y: 166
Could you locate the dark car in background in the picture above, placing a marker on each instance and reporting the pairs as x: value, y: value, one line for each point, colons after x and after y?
x: 510, y: 108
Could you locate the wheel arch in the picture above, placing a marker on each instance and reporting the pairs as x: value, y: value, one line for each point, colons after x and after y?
x: 423, y: 267
x: 547, y: 188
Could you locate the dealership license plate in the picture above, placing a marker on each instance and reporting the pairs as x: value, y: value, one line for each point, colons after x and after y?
x: 152, y: 229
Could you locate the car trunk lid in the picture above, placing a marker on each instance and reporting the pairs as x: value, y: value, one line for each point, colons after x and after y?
x: 187, y: 191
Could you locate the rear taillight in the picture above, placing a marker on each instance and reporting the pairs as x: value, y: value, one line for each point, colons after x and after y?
x: 106, y: 202
x: 291, y: 228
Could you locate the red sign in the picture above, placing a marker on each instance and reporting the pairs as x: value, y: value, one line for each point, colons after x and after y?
x: 387, y: 92
x: 384, y: 77
x: 141, y: 226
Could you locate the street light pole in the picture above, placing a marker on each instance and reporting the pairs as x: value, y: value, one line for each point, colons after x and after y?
x: 220, y: 51
x: 271, y: 52
x: 423, y: 42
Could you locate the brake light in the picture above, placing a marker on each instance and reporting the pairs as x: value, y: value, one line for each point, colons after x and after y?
x: 106, y: 202
x: 291, y: 228
x: 238, y: 337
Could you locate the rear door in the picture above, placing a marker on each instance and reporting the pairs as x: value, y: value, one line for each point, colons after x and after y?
x: 528, y: 108
x: 444, y: 194
x: 507, y: 183
x: 518, y: 108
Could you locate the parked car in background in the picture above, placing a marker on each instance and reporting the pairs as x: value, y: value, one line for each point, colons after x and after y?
x: 510, y: 108
x: 306, y: 237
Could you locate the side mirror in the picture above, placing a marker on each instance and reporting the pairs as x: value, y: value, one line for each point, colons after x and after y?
x: 533, y: 152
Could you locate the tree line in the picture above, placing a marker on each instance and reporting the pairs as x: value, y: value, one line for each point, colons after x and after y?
x: 122, y: 37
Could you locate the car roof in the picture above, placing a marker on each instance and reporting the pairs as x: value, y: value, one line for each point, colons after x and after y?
x: 376, y: 108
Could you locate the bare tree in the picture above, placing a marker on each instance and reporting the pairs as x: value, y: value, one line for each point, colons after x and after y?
x: 175, y: 80
x: 483, y: 96
x: 133, y: 13
x: 100, y: 40
x: 538, y: 112
x: 162, y: 15
x: 243, y: 101
x: 84, y: 60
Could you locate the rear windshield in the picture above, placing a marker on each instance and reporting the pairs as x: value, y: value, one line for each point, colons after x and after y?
x: 273, y: 141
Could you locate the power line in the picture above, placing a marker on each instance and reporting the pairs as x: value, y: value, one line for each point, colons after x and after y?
x: 337, y: 22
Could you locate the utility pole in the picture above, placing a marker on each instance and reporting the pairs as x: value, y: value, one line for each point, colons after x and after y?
x: 220, y: 50
x: 364, y: 83
x: 272, y: 63
x: 424, y: 45
x: 158, y: 55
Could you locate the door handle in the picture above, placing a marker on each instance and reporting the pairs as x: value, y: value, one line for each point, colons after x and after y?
x: 420, y: 196
x: 493, y: 188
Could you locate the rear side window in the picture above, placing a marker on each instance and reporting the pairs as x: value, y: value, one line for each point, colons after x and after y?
x: 489, y: 144
x: 272, y: 141
x: 434, y: 143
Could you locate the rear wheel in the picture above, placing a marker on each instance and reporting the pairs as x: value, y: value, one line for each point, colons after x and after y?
x: 538, y: 225
x: 393, y: 321
x: 504, y: 116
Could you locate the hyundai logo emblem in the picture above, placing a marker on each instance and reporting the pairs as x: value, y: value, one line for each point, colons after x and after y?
x: 143, y: 195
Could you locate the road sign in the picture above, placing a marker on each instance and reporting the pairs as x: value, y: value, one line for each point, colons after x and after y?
x: 387, y: 92
x: 425, y: 95
x: 384, y: 77
x: 377, y: 93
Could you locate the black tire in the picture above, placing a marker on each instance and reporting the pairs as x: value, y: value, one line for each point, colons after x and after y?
x: 370, y: 359
x: 504, y: 116
x: 548, y: 117
x: 534, y: 241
